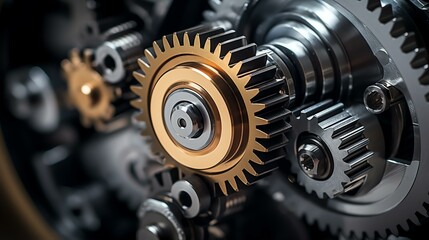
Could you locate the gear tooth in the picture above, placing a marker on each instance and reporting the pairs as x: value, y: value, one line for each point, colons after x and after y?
x: 140, y: 77
x: 260, y: 76
x: 88, y: 55
x: 204, y: 37
x: 221, y: 37
x: 386, y: 14
x: 74, y: 57
x: 251, y: 171
x: 156, y: 48
x: 261, y: 134
x: 272, y: 116
x: 420, y: 59
x: 242, y: 53
x: 67, y: 66
x: 136, y: 89
x: 236, y: 69
x: 271, y: 101
x: 398, y: 28
x: 166, y: 43
x: 272, y: 130
x: 250, y: 64
x: 176, y: 41
x: 261, y: 148
x: 233, y: 184
x: 243, y: 178
x: 373, y: 4
x: 251, y: 92
x: 424, y: 78
x: 186, y: 39
x: 149, y: 56
x: 144, y: 66
x: 222, y: 186
x: 137, y: 103
x: 410, y: 42
x: 231, y: 44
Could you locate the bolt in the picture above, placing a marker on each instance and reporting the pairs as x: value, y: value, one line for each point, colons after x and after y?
x: 187, y: 120
x: 379, y: 97
x: 313, y: 160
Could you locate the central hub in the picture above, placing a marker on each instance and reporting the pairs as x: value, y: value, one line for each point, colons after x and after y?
x: 188, y: 119
x: 314, y: 159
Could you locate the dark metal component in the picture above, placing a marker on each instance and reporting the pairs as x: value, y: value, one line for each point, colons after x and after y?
x: 313, y: 158
x: 381, y: 96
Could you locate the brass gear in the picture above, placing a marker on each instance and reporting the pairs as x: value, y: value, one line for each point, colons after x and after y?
x: 241, y: 93
x: 87, y: 91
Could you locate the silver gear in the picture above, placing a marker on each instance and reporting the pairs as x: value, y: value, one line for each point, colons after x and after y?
x: 341, y: 136
x: 123, y: 161
x: 383, y: 211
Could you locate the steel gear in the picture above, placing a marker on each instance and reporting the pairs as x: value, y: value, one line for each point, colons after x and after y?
x: 330, y: 150
x: 212, y: 106
x: 87, y: 90
x: 400, y: 199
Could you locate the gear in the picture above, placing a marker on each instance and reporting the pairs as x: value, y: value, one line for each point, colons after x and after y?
x: 87, y: 90
x: 212, y: 106
x: 329, y: 149
x: 121, y: 159
x: 399, y: 200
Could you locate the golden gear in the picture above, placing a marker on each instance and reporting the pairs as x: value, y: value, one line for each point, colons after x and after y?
x: 87, y: 90
x: 242, y: 100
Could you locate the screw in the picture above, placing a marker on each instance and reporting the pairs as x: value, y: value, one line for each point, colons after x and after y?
x: 313, y: 160
x: 379, y: 97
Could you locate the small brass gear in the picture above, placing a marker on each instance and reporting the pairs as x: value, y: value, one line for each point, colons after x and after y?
x: 239, y: 136
x: 87, y: 91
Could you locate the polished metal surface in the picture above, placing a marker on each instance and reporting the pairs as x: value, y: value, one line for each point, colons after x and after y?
x: 189, y: 119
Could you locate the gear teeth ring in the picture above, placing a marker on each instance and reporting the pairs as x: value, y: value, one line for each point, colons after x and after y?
x: 253, y: 85
x: 343, y: 135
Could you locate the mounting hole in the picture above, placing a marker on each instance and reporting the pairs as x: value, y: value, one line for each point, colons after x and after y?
x: 181, y: 123
x: 109, y: 63
x: 185, y: 199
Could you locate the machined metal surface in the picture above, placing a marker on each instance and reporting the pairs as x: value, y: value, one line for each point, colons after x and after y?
x: 399, y: 198
x: 189, y: 119
x: 347, y: 144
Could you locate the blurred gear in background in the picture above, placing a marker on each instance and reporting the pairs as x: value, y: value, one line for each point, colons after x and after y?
x: 214, y: 120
